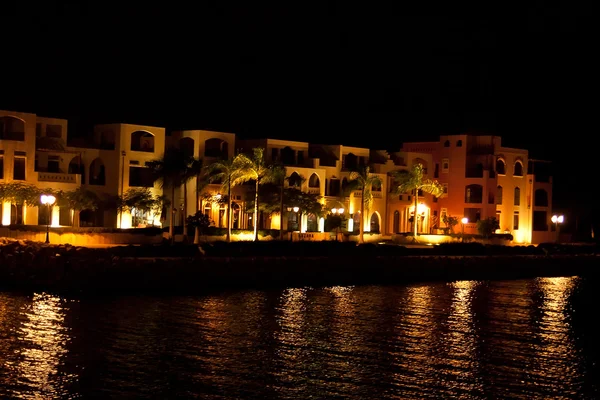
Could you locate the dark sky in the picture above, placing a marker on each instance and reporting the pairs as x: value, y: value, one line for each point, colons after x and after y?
x: 367, y: 75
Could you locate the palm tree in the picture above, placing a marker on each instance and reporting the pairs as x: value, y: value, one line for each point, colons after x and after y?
x: 279, y: 173
x: 193, y: 170
x: 363, y: 180
x: 230, y: 173
x: 197, y: 169
x: 171, y: 171
x: 257, y: 170
x: 412, y: 180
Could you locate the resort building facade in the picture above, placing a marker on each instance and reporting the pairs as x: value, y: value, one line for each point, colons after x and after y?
x: 482, y: 179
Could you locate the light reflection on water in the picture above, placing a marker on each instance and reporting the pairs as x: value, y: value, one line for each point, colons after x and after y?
x: 516, y: 339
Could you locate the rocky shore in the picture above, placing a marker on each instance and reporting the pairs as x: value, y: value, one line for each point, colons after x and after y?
x: 33, y: 266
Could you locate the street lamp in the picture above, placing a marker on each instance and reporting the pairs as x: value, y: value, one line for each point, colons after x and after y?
x: 557, y: 219
x: 464, y: 221
x: 48, y: 200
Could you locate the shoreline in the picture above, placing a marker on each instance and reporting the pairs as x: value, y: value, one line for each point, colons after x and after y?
x: 186, y: 270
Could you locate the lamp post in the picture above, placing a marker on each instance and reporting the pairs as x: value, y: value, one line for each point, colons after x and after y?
x: 337, y: 211
x: 48, y: 200
x: 464, y: 221
x: 557, y: 219
x: 123, y: 154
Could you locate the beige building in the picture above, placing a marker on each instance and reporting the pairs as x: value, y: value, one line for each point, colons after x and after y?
x: 482, y: 178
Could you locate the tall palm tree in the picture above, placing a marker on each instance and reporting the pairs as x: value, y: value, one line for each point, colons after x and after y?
x: 256, y: 169
x: 412, y: 180
x: 171, y: 171
x: 230, y: 173
x: 194, y: 170
x: 362, y: 179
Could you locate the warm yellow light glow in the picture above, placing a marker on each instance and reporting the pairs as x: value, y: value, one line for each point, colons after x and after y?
x: 6, y: 213
x: 558, y: 219
x: 350, y: 225
x: 464, y: 220
x: 321, y: 224
x: 55, y: 221
x: 340, y: 210
x: 421, y: 209
x: 334, y: 210
x: 296, y: 209
x: 126, y: 220
x: 47, y: 199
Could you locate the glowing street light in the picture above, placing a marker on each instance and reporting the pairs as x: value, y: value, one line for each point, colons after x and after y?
x: 48, y: 200
x: 464, y: 221
x: 557, y: 219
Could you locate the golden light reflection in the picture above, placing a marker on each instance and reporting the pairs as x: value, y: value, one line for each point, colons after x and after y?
x: 555, y: 328
x: 461, y: 337
x: 415, y: 328
x: 44, y: 341
x: 291, y: 322
x: 343, y: 305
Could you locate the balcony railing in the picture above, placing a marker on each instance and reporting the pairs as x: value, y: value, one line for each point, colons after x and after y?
x: 58, y: 177
x: 377, y: 195
x: 314, y: 190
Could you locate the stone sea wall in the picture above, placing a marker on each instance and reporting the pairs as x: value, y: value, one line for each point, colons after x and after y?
x: 187, y: 269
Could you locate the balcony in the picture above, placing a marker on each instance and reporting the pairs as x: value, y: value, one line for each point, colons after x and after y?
x: 59, y: 177
x: 377, y: 195
x: 312, y: 190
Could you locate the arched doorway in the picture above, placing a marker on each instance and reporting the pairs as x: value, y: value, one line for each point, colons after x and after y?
x: 396, y: 221
x: 356, y: 221
x: 312, y: 223
x: 97, y: 172
x: 235, y: 216
x: 76, y: 167
x: 375, y: 226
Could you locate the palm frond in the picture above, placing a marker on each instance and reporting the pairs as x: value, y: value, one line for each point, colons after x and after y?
x: 432, y: 187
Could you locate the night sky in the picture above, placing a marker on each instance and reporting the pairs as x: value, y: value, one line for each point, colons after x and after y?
x: 370, y: 75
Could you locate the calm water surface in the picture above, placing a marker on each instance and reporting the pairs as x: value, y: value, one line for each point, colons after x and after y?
x: 515, y: 339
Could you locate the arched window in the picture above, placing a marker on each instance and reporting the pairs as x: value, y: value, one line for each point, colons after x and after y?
x: 216, y: 148
x: 314, y: 181
x: 12, y: 128
x: 295, y: 180
x: 142, y: 141
x: 375, y: 226
x: 499, y: 194
x: 518, y: 169
x: 500, y: 167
